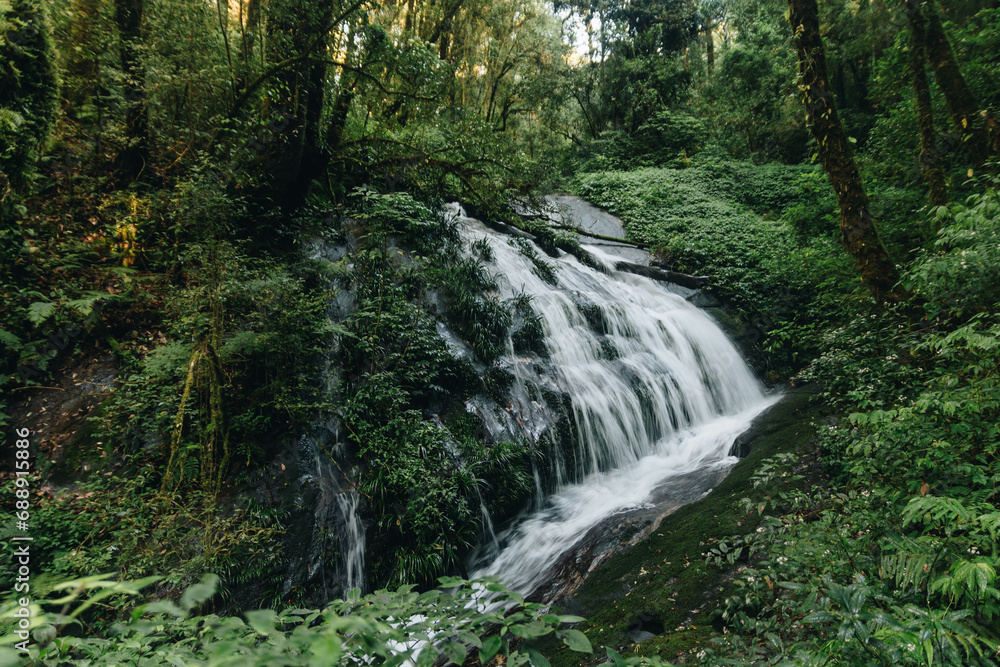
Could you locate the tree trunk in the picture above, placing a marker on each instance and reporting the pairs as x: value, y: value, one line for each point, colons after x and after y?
x: 289, y: 157
x: 979, y: 132
x: 856, y: 223
x: 134, y: 155
x: 710, y: 46
x: 250, y: 29
x: 930, y: 162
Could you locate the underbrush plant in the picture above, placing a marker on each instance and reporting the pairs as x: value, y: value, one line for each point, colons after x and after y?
x: 124, y: 525
x: 897, y: 561
x: 460, y: 620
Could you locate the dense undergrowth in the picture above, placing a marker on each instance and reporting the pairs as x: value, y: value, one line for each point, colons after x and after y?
x: 896, y: 561
x: 763, y: 233
x: 461, y: 620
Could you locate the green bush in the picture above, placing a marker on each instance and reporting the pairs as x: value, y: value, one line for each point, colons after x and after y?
x: 961, y: 275
x: 896, y: 561
x: 463, y: 619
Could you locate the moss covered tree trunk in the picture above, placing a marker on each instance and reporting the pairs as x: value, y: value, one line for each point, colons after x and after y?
x: 930, y: 161
x: 29, y: 94
x: 134, y: 155
x: 978, y: 129
x: 856, y: 223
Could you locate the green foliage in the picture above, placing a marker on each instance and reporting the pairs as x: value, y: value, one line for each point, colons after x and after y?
x: 667, y: 138
x: 264, y: 324
x: 749, y: 98
x: 897, y: 561
x: 415, y: 224
x: 961, y: 275
x: 385, y: 628
x: 122, y: 524
x: 29, y: 92
x: 742, y: 225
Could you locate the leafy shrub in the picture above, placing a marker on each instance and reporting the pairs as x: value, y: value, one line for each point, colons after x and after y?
x: 961, y: 275
x: 896, y: 562
x: 417, y: 225
x: 385, y: 628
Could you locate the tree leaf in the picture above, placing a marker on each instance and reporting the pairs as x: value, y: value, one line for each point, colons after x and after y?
x: 530, y: 630
x: 491, y: 646
x: 197, y: 594
x: 456, y: 652
x: 262, y: 620
x: 537, y: 659
x: 577, y: 641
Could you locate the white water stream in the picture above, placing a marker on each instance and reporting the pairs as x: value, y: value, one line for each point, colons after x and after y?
x: 657, y: 390
x: 354, y: 539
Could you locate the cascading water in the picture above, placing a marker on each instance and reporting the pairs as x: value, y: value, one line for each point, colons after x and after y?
x: 657, y: 390
x: 352, y: 539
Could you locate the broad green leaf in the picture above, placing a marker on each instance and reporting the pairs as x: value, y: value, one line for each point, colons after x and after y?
x: 456, y: 652
x: 571, y: 619
x: 262, y: 620
x: 326, y: 650
x: 491, y: 646
x: 532, y: 630
x: 537, y: 659
x: 819, y: 617
x: 197, y: 594
x: 577, y: 641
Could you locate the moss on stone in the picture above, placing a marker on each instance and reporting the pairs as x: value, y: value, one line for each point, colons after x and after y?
x: 664, y: 575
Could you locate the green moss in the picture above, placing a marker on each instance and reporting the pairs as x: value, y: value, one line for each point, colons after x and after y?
x: 665, y: 575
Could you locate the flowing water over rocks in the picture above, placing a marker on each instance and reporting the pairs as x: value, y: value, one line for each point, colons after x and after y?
x: 653, y: 389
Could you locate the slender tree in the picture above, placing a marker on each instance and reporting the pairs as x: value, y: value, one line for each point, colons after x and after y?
x: 930, y: 161
x: 133, y: 156
x: 856, y: 223
x: 979, y: 130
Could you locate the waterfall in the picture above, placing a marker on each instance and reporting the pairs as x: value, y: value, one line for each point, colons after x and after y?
x: 656, y: 391
x: 352, y: 539
x: 333, y: 556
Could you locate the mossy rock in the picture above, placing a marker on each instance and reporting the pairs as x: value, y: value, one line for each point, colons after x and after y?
x: 664, y: 576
